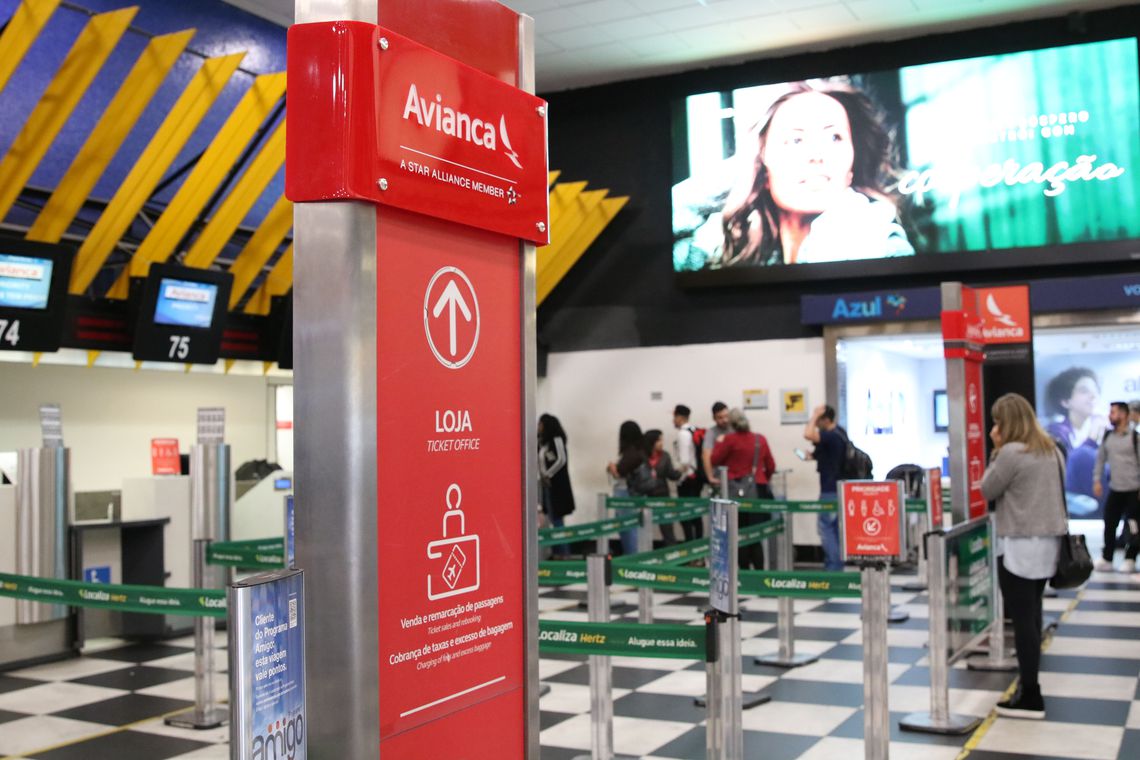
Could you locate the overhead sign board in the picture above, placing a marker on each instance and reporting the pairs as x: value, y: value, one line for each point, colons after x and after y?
x: 414, y: 129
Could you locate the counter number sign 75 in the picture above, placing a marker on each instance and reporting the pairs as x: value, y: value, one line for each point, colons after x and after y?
x: 179, y: 346
x: 10, y: 332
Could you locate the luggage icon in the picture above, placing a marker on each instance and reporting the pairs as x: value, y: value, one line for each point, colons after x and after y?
x: 458, y: 573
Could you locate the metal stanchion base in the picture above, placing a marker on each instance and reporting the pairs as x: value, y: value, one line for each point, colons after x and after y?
x: 200, y: 721
x: 787, y: 662
x: 747, y: 701
x: 895, y: 615
x: 914, y: 586
x: 951, y: 725
x: 543, y: 689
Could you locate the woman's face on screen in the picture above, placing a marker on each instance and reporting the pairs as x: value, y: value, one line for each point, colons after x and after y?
x: 809, y: 154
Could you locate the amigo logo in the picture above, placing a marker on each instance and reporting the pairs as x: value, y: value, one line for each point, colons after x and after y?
x: 434, y: 114
x: 281, y: 741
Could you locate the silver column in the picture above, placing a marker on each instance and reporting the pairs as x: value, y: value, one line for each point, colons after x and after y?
x: 601, y: 675
x: 956, y: 396
x: 211, y: 493
x: 645, y: 544
x: 939, y: 720
x: 785, y: 656
x: 43, y: 489
x: 876, y: 716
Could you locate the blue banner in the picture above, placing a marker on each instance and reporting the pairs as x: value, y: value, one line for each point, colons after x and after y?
x: 1119, y: 291
x: 900, y: 305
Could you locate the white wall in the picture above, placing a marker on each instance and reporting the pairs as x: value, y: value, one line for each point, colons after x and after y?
x: 593, y: 392
x: 889, y: 389
x: 110, y: 415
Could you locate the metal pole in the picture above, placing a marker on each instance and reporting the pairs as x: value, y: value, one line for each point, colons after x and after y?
x: 996, y: 659
x: 939, y: 720
x: 210, y: 493
x: 714, y: 723
x: 876, y: 716
x: 601, y: 676
x: 731, y: 683
x: 602, y: 542
x: 645, y: 544
x: 786, y: 656
x: 919, y: 528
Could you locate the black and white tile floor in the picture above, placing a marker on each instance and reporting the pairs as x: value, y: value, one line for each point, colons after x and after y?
x: 110, y: 702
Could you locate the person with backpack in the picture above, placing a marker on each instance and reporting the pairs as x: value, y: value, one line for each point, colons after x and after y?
x: 686, y: 448
x: 632, y: 476
x: 663, y: 470
x: 750, y: 467
x: 829, y: 454
x: 1120, y: 448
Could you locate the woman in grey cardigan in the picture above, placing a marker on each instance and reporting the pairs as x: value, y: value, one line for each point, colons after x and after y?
x: 1025, y: 478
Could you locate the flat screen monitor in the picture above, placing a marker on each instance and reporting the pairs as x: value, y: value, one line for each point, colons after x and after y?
x: 25, y: 281
x: 183, y: 303
x: 941, y: 412
x: 1018, y: 159
x: 181, y: 314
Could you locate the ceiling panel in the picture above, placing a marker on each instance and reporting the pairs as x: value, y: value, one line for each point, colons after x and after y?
x: 586, y: 42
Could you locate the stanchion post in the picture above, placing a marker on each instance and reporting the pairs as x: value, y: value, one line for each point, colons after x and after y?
x: 714, y: 723
x: 939, y: 720
x: 210, y: 495
x: 996, y: 659
x: 785, y: 656
x: 645, y: 544
x: 599, y: 576
x: 876, y: 717
x: 602, y: 542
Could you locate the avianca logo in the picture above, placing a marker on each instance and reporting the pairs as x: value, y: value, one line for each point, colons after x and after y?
x: 434, y: 114
x: 996, y: 312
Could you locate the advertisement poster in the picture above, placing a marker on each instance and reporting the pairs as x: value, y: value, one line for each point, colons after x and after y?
x: 164, y: 457
x: 934, y: 498
x: 722, y: 563
x: 969, y: 584
x: 1020, y: 150
x: 269, y: 680
x: 1077, y: 377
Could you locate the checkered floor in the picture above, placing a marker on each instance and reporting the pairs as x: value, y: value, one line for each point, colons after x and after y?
x: 108, y: 703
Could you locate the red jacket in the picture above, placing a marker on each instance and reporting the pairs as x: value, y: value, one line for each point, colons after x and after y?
x: 737, y: 451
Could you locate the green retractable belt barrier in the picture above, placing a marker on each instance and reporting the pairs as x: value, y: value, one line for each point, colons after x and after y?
x: 746, y: 505
x: 196, y: 602
x: 682, y: 642
x: 800, y: 584
x: 586, y: 531
x: 258, y: 554
x: 679, y: 554
x: 561, y: 572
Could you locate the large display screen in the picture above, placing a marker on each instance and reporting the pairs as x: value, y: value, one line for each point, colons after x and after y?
x: 25, y: 282
x: 183, y: 303
x: 911, y: 169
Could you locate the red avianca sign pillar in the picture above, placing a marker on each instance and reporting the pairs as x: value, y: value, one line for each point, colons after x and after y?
x: 417, y: 158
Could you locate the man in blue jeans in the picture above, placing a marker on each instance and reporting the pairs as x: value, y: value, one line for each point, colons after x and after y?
x: 830, y: 448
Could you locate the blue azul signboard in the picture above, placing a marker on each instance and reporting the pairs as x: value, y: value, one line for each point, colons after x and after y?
x: 1121, y: 291
x: 267, y: 679
x: 871, y: 306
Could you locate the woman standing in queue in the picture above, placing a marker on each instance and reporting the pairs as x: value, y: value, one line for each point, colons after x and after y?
x: 750, y: 467
x: 631, y: 475
x: 557, y: 495
x: 1026, y: 479
x: 661, y: 465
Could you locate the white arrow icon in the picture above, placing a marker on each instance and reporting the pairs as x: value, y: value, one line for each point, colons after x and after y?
x: 458, y: 295
x: 451, y: 299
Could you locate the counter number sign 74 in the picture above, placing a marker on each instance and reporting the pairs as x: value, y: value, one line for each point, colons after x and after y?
x: 10, y: 332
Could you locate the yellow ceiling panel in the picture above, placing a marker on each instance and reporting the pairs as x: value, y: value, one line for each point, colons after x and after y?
x: 586, y: 233
x: 105, y: 139
x: 20, y: 32
x: 163, y: 148
x: 240, y: 200
x: 86, y: 57
x: 260, y: 248
x: 278, y: 282
x: 207, y: 175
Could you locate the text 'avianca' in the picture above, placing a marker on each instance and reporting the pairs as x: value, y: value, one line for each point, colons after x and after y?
x: 435, y: 115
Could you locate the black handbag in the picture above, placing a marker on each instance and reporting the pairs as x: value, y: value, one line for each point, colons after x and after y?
x: 1074, y: 563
